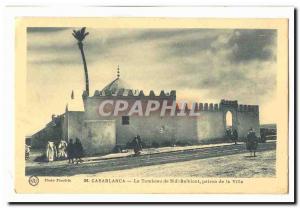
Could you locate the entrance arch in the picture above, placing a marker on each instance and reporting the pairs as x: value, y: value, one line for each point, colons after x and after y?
x: 228, y: 120
x: 230, y: 115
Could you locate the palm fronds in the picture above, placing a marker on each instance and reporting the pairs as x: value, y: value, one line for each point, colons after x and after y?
x: 80, y: 34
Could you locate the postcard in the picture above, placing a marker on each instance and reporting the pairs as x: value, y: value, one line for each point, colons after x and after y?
x: 115, y: 105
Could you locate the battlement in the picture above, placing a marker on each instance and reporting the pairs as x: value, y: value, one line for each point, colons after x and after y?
x: 229, y: 103
x: 208, y: 107
x: 137, y: 94
x: 225, y: 104
x: 234, y: 104
x: 248, y: 108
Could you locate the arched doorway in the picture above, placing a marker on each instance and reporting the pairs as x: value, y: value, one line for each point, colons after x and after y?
x: 230, y: 114
x: 229, y: 120
x: 228, y: 124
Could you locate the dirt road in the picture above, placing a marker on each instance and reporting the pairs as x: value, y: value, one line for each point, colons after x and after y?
x: 93, y: 167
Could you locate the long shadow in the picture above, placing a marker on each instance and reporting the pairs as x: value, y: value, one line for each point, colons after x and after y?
x: 142, y: 161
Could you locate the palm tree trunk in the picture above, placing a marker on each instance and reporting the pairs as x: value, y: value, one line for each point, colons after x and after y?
x: 80, y: 45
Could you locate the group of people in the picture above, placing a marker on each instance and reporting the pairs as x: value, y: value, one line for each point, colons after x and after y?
x: 75, y: 151
x: 72, y: 151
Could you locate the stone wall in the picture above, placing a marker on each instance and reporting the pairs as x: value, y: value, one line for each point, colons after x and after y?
x: 74, y: 123
x: 98, y: 136
x: 248, y: 117
x: 186, y: 130
x: 152, y: 129
x: 210, y: 125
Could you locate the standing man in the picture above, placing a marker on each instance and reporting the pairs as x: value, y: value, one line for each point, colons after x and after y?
x: 139, y: 142
x: 78, y: 151
x: 251, y: 142
x: 235, y: 136
x: 70, y: 151
x: 136, y: 146
x: 228, y: 134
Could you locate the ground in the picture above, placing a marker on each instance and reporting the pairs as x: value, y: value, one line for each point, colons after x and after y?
x: 239, y: 165
x: 218, y: 160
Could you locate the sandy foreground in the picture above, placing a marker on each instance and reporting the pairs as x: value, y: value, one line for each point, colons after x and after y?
x: 239, y: 165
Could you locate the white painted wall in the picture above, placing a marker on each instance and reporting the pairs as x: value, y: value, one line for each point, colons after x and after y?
x: 210, y: 125
x: 74, y: 121
x: 151, y: 129
x: 163, y: 130
x: 98, y: 136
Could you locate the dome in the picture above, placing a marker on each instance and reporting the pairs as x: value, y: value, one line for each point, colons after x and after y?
x: 118, y: 85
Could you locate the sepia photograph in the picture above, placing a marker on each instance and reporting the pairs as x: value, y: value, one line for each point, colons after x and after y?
x: 151, y: 105
x: 148, y: 102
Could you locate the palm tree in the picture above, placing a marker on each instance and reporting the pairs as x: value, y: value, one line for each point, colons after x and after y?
x: 79, y: 35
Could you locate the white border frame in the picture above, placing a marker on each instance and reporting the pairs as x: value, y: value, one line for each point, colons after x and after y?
x: 7, y: 83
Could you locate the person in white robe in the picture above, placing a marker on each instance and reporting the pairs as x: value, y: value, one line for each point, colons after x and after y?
x: 62, y: 149
x: 51, y: 152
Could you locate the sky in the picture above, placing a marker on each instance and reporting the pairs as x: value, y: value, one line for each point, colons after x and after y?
x: 202, y: 65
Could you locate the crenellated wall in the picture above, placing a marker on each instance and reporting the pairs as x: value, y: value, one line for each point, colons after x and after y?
x: 209, y: 125
x: 208, y: 107
x: 99, y: 134
x: 136, y: 94
x: 91, y: 104
x: 248, y: 108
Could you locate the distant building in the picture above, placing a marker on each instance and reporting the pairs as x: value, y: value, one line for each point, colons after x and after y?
x: 53, y: 131
x: 100, y: 134
x: 28, y: 140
